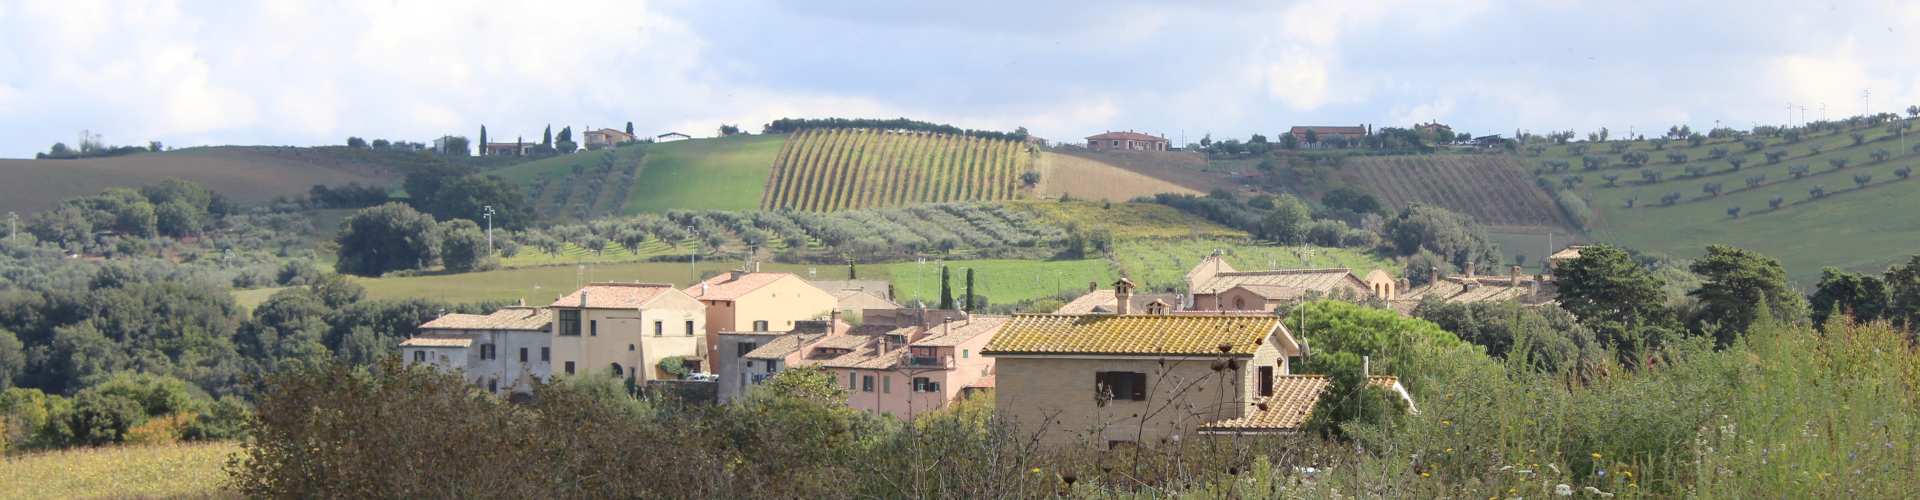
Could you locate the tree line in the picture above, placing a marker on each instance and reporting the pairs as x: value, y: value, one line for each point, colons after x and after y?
x: 791, y: 125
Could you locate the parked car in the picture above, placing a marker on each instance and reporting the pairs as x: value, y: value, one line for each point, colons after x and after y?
x: 703, y: 377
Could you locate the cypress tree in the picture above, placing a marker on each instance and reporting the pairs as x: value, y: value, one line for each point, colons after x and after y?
x: 547, y: 137
x: 970, y: 303
x: 946, y: 290
x: 483, y: 140
x: 629, y: 128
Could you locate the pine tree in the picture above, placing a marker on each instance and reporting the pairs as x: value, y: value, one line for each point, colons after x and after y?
x: 946, y: 290
x: 483, y: 140
x: 970, y: 302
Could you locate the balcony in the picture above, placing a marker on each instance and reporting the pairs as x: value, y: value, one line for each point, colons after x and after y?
x: 941, y: 362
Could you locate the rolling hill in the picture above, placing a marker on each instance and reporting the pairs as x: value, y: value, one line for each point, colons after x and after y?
x: 1683, y: 196
x: 244, y: 173
x: 724, y: 173
x: 1494, y: 189
x: 840, y: 169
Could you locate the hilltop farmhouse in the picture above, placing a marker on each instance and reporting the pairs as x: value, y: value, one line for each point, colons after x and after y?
x: 1127, y: 141
x: 1216, y: 286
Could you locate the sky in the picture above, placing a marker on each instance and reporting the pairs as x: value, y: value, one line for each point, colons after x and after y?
x: 295, y: 72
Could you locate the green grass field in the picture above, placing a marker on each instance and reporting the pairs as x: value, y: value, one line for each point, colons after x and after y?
x: 727, y: 173
x: 1163, y: 265
x: 1000, y: 281
x: 1857, y: 229
x: 161, y: 471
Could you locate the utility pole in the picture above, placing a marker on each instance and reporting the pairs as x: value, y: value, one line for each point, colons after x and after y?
x: 1789, y: 114
x: 1866, y: 102
x: 487, y: 213
x: 693, y: 265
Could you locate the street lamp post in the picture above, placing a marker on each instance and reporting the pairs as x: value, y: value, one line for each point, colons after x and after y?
x: 487, y: 212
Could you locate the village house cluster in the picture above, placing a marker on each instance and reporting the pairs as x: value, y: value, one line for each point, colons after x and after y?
x: 1115, y: 365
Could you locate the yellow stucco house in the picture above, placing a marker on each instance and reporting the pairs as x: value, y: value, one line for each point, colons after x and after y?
x: 758, y: 302
x: 1110, y: 379
x: 626, y: 329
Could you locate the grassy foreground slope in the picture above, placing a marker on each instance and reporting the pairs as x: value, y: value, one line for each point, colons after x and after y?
x: 159, y: 471
x: 246, y: 174
x: 1862, y: 229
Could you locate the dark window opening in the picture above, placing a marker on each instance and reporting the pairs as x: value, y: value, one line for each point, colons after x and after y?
x: 1122, y: 385
x: 741, y: 349
x: 419, y: 356
x: 523, y: 355
x: 659, y: 328
x: 760, y: 326
x: 546, y: 354
x: 569, y: 367
x: 593, y: 328
x: 689, y: 328
x: 570, y: 322
x: 866, y: 383
x: 1266, y: 381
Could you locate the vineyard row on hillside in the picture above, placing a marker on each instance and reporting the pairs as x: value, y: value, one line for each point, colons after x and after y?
x: 841, y: 169
x: 1493, y: 189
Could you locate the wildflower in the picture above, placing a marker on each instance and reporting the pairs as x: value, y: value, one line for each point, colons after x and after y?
x: 1562, y: 490
x: 1036, y: 470
x: 1448, y: 450
x: 1596, y: 455
x: 1424, y: 474
x: 1446, y: 422
x: 1596, y: 492
x: 1627, y: 473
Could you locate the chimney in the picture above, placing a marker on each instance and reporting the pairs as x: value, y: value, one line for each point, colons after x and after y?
x: 1092, y: 285
x: 1516, y: 275
x: 833, y: 323
x: 1123, y: 297
x: 583, y: 299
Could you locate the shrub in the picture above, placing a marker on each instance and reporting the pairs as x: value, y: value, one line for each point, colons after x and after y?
x: 674, y: 366
x: 165, y: 429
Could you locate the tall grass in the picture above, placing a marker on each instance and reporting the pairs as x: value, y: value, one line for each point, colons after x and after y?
x: 174, y: 470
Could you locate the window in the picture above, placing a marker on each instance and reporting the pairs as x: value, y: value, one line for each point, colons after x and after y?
x: 741, y: 349
x: 486, y: 351
x: 1122, y: 385
x: 850, y: 380
x: 1266, y: 381
x: 772, y: 365
x: 1239, y: 304
x: 570, y: 322
x: 419, y: 356
x: 523, y: 355
x: 629, y: 347
x: 689, y: 328
x: 1116, y: 143
x: 886, y: 385
x: 760, y: 326
x: 749, y: 363
x: 569, y: 367
x: 963, y: 354
x: 659, y: 328
x: 593, y: 328
x: 546, y: 354
x: 866, y: 383
x: 923, y: 384
x: 493, y: 385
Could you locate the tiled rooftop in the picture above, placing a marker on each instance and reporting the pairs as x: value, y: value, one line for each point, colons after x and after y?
x: 437, y: 341
x: 510, y: 318
x: 1308, y: 279
x: 1133, y: 334
x: 1291, y: 404
x: 731, y: 286
x: 613, y: 295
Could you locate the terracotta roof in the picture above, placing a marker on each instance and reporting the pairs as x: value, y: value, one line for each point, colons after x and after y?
x: 879, y: 288
x: 1274, y: 292
x: 1568, y: 253
x: 613, y: 295
x: 1132, y: 334
x: 437, y: 341
x: 1208, y: 267
x: 1126, y: 136
x: 1322, y: 280
x: 861, y: 300
x: 1480, y: 289
x: 844, y: 342
x: 782, y: 346
x: 955, y: 332
x: 984, y: 383
x: 1103, y: 301
x: 1291, y: 404
x: 732, y: 285
x: 510, y: 318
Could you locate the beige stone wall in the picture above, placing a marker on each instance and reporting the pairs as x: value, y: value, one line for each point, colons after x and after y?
x: 780, y: 303
x: 1056, y: 395
x: 626, y: 337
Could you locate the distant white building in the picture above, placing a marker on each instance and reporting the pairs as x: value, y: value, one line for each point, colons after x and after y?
x: 505, y: 351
